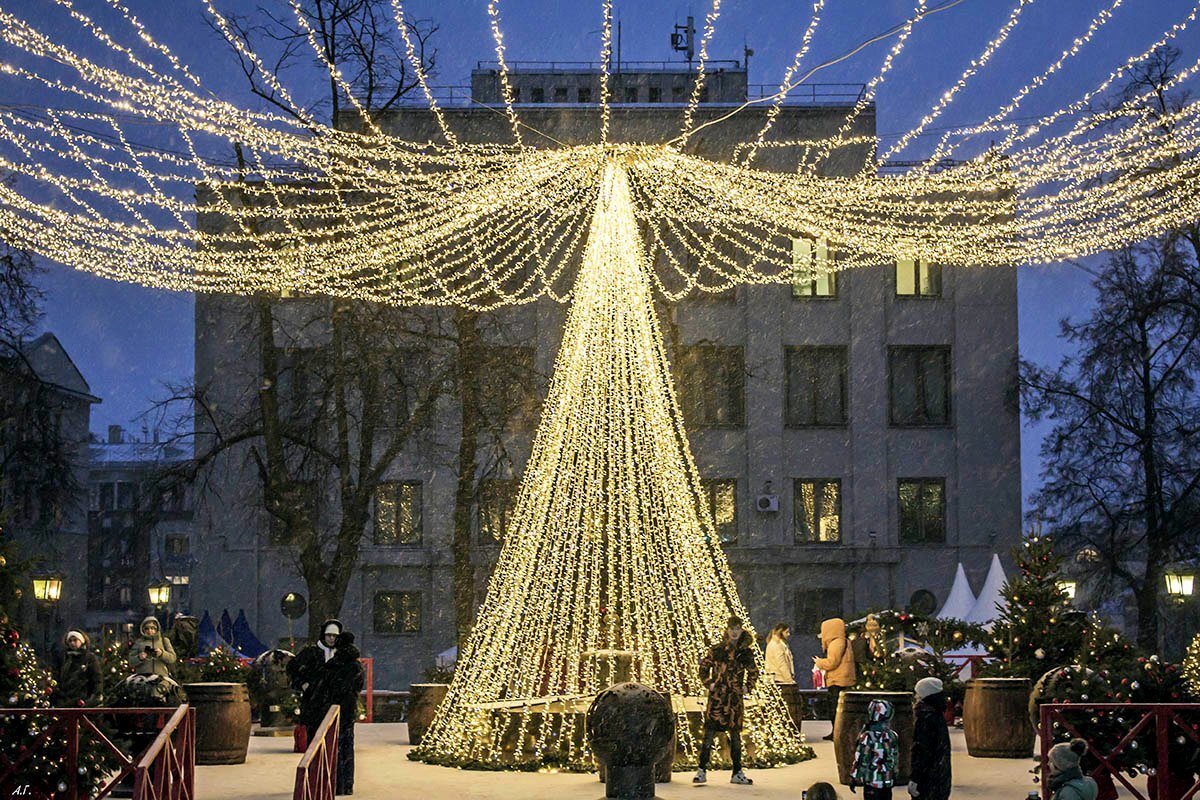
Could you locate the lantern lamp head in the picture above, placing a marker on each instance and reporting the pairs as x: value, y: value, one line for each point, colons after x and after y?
x: 1180, y: 584
x: 47, y: 588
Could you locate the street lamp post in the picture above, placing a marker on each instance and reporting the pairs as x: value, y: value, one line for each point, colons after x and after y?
x: 47, y: 591
x: 159, y: 593
x: 1180, y: 584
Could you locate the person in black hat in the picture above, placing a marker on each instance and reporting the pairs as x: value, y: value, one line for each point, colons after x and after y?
x: 306, y: 670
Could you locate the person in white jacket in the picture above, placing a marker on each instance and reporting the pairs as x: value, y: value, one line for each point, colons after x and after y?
x: 779, y: 655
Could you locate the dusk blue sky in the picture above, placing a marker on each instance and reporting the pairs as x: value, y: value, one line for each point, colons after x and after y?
x: 128, y: 340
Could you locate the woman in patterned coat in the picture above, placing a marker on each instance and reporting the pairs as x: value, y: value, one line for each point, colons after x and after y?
x: 729, y: 672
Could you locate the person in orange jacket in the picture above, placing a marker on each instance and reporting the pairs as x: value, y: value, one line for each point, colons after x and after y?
x: 838, y: 662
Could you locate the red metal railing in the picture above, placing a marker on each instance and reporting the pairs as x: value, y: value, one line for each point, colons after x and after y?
x: 961, y: 663
x: 369, y: 688
x: 317, y: 771
x: 167, y: 770
x: 74, y: 723
x: 1161, y: 721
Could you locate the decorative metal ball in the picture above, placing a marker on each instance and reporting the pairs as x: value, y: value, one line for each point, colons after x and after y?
x: 630, y: 725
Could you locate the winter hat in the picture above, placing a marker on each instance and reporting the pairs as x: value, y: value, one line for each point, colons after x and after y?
x: 73, y: 634
x: 150, y: 620
x: 928, y: 687
x: 1064, y: 756
x: 336, y: 624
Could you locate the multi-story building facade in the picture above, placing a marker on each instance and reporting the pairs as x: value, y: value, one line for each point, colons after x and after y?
x: 45, y: 408
x: 139, y: 530
x: 858, y: 432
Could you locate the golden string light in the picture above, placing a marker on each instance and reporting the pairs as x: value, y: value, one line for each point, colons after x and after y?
x: 606, y: 563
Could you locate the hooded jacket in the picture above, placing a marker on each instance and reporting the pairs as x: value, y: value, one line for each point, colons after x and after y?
x: 838, y: 662
x: 305, y: 671
x: 877, y: 750
x: 729, y: 673
x: 80, y: 681
x: 159, y: 658
x: 340, y: 681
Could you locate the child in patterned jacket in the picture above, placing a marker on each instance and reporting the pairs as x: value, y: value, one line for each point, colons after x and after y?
x: 876, y: 754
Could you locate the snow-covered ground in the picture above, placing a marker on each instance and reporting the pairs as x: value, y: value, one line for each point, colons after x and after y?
x: 385, y: 773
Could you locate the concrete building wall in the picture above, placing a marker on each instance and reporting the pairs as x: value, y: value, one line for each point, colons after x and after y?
x: 977, y: 454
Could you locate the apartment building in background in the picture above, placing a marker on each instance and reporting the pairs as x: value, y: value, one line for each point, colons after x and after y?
x: 858, y: 432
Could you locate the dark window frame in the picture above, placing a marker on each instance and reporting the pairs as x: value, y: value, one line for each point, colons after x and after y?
x: 923, y: 484
x: 789, y: 412
x: 710, y: 486
x: 418, y: 514
x: 690, y: 358
x: 833, y: 275
x: 398, y: 593
x: 935, y: 273
x: 920, y: 389
x: 818, y: 494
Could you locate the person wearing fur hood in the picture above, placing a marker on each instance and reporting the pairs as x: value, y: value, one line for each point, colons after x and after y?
x: 80, y: 681
x: 151, y: 653
x: 729, y: 671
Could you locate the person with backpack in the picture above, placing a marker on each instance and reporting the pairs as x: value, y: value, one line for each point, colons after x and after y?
x: 876, y: 754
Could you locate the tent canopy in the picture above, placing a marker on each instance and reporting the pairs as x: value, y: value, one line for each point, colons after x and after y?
x: 990, y: 596
x: 961, y: 599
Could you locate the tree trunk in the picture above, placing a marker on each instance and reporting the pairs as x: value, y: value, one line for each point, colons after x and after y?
x: 466, y: 325
x: 1147, y: 593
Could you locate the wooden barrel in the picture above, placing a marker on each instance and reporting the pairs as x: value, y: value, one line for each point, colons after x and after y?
x: 794, y: 702
x: 852, y: 715
x: 422, y: 705
x: 222, y: 721
x: 996, y: 719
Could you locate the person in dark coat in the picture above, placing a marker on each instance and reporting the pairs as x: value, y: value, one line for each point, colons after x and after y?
x: 930, y: 775
x: 80, y: 680
x: 339, y: 685
x: 305, y: 670
x: 729, y: 672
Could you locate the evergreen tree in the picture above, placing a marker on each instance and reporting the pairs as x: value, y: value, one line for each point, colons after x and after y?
x: 25, y: 684
x: 1036, y: 630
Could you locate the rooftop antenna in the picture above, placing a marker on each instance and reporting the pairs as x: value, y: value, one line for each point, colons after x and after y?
x: 747, y: 52
x: 683, y: 40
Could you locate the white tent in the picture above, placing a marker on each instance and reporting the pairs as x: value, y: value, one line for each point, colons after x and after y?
x: 447, y: 658
x: 961, y: 599
x: 984, y: 612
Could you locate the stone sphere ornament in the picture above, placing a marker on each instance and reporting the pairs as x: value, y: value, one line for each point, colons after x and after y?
x: 630, y: 727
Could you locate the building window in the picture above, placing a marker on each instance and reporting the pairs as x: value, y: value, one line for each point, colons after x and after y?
x: 712, y: 379
x: 813, y: 606
x: 654, y: 94
x: 515, y: 92
x: 816, y: 386
x: 631, y: 94
x: 398, y: 513
x: 919, y: 385
x: 508, y: 395
x: 916, y: 277
x: 177, y: 545
x: 125, y: 595
x: 497, y: 501
x: 817, y: 511
x: 537, y: 94
x: 585, y: 94
x: 721, y: 496
x: 813, y: 268
x: 397, y: 612
x: 106, y: 497
x: 560, y: 94
x: 677, y: 94
x: 126, y: 496
x: 922, y: 510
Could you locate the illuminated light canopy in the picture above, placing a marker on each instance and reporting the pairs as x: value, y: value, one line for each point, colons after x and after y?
x: 606, y: 555
x: 314, y: 209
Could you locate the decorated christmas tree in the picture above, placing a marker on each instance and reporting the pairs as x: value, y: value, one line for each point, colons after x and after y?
x: 909, y: 647
x: 1036, y: 629
x: 24, y: 684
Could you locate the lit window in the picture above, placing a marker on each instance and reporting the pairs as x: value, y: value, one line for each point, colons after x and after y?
x: 397, y: 612
x: 922, y: 510
x: 813, y: 268
x: 818, y: 511
x: 398, y: 513
x: 497, y: 501
x: 721, y: 495
x: 919, y: 383
x: 816, y: 386
x: 916, y: 277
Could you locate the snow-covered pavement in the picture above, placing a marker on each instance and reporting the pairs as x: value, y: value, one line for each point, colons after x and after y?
x: 385, y: 773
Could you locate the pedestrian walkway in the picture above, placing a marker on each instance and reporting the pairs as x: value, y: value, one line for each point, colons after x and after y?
x: 385, y: 773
